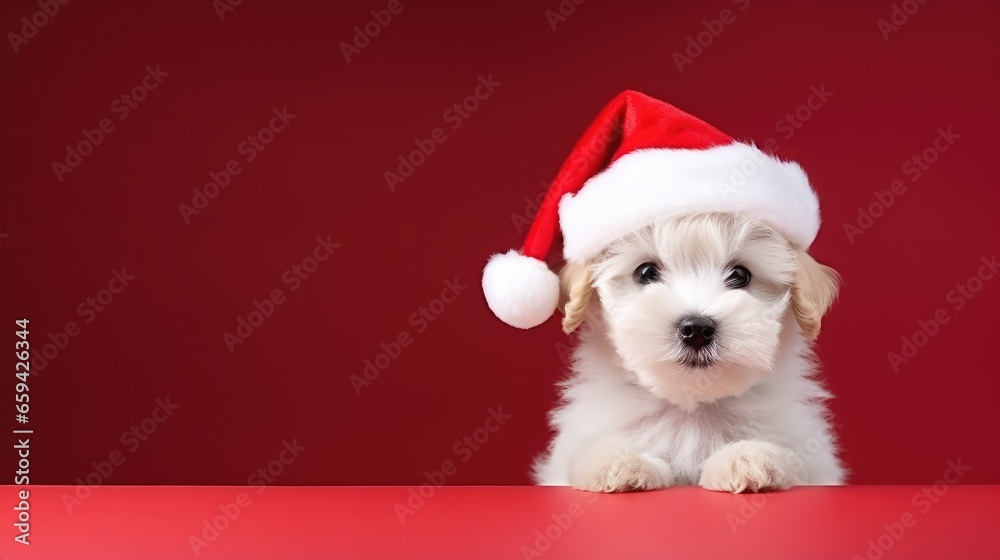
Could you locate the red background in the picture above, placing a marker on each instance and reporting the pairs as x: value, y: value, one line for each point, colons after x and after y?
x: 323, y: 175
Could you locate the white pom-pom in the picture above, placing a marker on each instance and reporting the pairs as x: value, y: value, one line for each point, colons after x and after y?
x: 520, y: 290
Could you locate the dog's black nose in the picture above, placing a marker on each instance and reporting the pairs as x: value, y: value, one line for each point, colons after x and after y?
x: 696, y: 331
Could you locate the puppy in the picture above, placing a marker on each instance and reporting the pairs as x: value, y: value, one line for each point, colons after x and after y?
x: 694, y: 363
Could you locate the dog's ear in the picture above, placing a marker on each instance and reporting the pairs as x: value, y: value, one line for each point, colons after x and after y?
x: 577, y: 290
x: 813, y: 292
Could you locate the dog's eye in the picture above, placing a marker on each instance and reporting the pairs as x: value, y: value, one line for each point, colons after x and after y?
x: 738, y: 278
x: 646, y: 273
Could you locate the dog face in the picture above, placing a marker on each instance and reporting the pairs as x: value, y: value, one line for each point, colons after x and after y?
x: 695, y: 305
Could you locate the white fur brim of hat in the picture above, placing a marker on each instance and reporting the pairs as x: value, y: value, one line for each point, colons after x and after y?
x: 641, y: 187
x: 646, y: 185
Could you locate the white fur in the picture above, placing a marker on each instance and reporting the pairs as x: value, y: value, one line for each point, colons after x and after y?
x: 656, y: 183
x: 634, y: 417
x: 522, y: 291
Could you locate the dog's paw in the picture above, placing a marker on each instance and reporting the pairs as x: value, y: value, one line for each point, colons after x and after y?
x: 748, y: 466
x: 620, y: 471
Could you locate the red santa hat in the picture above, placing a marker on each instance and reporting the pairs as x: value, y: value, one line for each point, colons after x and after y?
x: 640, y: 160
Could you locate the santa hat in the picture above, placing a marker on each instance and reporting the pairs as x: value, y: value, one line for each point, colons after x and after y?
x: 643, y: 159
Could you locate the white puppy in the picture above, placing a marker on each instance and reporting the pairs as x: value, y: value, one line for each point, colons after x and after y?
x: 694, y: 363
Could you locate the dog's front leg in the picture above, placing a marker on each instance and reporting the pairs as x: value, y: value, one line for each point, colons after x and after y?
x: 612, y: 466
x: 749, y: 466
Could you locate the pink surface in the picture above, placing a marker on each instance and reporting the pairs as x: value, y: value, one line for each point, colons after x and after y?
x: 510, y: 522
